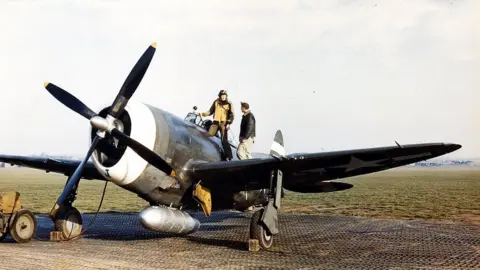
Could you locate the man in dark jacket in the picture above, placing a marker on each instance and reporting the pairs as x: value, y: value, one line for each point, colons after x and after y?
x: 247, y: 132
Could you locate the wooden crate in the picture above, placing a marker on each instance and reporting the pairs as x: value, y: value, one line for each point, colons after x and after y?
x: 10, y: 202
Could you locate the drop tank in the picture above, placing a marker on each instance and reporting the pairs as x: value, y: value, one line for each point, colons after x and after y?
x: 168, y: 220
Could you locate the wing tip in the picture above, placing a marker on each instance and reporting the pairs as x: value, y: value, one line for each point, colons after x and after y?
x: 451, y: 147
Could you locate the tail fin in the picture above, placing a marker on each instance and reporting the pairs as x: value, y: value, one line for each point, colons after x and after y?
x: 277, y: 150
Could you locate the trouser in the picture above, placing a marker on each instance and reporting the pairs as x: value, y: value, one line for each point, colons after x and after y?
x: 243, y: 150
x: 223, y: 135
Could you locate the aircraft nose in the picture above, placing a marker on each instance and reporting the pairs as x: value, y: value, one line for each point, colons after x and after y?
x: 450, y: 147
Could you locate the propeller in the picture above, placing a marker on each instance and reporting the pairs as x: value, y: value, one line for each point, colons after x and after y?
x: 69, y: 100
x: 132, y: 82
x: 107, y: 124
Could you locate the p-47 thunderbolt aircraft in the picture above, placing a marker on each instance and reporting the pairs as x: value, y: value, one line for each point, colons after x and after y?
x: 177, y: 167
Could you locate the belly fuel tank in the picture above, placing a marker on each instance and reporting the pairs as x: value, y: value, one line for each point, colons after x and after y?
x: 168, y: 220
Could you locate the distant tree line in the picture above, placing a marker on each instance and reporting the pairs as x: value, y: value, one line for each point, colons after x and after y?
x: 444, y: 163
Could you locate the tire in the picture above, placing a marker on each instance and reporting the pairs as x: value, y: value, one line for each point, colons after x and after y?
x: 23, y: 226
x: 259, y: 232
x: 69, y: 222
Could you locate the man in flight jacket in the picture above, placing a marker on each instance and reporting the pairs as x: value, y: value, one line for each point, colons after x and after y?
x: 223, y: 115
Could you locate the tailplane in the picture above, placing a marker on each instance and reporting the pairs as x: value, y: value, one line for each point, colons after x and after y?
x: 278, y: 150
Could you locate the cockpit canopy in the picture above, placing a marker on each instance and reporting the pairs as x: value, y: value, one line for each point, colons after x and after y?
x: 197, y: 120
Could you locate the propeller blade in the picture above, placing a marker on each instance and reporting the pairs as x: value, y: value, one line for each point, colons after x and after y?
x: 75, y: 176
x: 69, y: 100
x: 147, y: 154
x: 132, y: 81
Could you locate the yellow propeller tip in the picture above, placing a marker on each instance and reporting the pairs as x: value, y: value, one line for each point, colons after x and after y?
x: 45, y: 84
x: 154, y: 45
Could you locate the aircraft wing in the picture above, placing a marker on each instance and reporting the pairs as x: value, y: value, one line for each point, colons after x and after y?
x: 63, y: 166
x: 304, y: 172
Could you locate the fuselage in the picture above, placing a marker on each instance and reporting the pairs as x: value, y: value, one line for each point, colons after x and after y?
x: 179, y: 143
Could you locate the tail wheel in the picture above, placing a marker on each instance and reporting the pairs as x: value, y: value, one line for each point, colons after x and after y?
x: 259, y: 231
x: 23, y: 227
x: 69, y: 222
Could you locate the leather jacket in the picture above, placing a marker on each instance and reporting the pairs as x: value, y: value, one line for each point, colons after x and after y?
x: 247, y: 126
x: 222, y: 111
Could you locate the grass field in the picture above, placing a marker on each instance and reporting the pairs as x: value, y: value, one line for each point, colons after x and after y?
x: 440, y: 194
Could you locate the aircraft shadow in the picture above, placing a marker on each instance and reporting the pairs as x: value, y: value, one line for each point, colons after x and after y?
x: 110, y: 226
x: 232, y: 244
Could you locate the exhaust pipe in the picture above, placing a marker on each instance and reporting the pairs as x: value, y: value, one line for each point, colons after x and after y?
x: 168, y: 220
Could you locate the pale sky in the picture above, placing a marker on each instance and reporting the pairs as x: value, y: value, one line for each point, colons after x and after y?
x: 331, y: 75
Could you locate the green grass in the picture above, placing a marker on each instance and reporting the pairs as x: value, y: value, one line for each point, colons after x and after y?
x: 443, y: 194
x: 40, y: 190
x: 440, y: 194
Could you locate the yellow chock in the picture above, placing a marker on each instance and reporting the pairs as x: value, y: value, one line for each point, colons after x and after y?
x: 203, y: 196
x: 253, y: 245
x: 56, y: 236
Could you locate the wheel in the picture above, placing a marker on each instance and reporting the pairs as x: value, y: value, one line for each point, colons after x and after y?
x: 69, y: 222
x: 259, y: 231
x: 23, y: 226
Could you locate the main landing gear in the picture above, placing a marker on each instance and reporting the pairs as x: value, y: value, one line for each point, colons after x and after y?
x: 67, y: 219
x: 264, y: 222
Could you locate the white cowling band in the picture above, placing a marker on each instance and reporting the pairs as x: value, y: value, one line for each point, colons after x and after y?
x: 131, y: 165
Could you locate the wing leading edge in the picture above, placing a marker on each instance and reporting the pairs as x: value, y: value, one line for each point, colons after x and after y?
x: 63, y: 166
x: 304, y: 172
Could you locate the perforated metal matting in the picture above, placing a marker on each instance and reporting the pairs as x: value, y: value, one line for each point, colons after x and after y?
x: 118, y: 241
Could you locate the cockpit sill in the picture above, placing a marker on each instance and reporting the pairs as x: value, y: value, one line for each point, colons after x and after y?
x: 198, y: 121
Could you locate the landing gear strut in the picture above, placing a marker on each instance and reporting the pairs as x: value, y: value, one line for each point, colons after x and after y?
x: 264, y: 222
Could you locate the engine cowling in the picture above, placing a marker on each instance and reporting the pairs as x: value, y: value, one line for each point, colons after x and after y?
x: 121, y: 164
